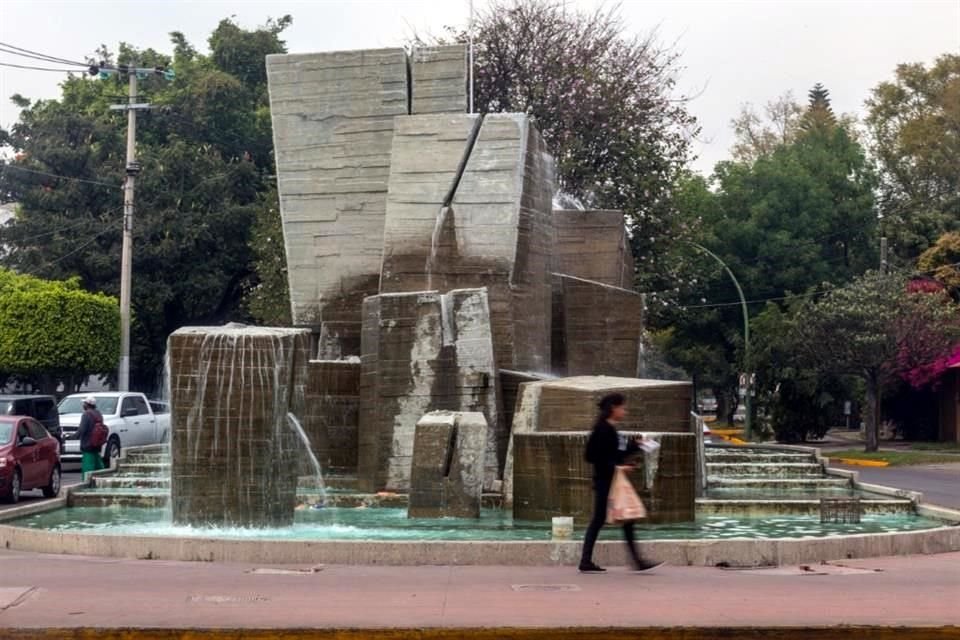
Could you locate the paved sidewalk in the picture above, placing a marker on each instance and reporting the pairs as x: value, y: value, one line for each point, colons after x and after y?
x: 46, y: 591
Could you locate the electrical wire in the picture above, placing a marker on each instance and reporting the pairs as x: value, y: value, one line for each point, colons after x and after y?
x: 41, y: 56
x: 70, y: 227
x: 77, y: 250
x: 54, y: 175
x: 26, y: 66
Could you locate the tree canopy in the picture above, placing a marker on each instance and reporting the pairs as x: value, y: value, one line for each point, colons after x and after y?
x: 206, y: 153
x: 914, y: 126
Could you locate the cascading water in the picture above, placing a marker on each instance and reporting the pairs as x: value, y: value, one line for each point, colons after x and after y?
x: 318, y: 485
x: 233, y: 453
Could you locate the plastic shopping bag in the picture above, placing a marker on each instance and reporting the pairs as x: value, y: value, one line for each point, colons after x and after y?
x: 624, y: 505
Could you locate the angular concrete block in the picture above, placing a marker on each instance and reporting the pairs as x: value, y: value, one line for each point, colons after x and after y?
x: 447, y: 471
x: 596, y: 328
x: 439, y: 79
x: 551, y: 478
x: 593, y: 245
x: 422, y: 352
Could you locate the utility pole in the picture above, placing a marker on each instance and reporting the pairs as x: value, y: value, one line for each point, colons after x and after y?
x: 126, y: 256
x: 470, y: 55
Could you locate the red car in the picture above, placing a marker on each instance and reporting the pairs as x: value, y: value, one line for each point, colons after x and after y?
x: 29, y: 458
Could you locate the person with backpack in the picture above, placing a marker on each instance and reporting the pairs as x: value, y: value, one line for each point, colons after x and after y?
x: 605, y: 451
x: 93, y: 435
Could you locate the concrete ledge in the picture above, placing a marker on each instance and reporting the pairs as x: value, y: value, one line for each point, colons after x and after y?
x: 843, y: 632
x: 737, y: 552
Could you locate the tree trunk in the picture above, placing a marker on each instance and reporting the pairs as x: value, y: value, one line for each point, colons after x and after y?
x: 871, y: 412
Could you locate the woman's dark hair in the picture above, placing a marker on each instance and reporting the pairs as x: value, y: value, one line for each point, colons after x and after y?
x: 608, y: 402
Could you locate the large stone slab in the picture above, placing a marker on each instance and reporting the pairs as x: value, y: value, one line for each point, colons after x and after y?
x: 551, y: 477
x: 447, y: 472
x: 596, y: 328
x: 234, y: 454
x: 593, y: 245
x: 488, y: 226
x: 439, y: 79
x: 332, y: 129
x: 570, y: 404
x: 422, y: 352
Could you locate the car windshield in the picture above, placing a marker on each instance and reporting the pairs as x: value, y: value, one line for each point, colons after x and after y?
x: 74, y: 404
x: 6, y: 430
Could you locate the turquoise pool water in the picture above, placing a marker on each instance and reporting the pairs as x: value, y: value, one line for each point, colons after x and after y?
x: 393, y: 525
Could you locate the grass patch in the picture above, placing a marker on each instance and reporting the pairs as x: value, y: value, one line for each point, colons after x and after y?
x: 936, y: 446
x: 896, y: 458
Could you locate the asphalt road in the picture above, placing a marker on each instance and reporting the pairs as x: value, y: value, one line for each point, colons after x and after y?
x: 940, y: 483
x: 69, y: 477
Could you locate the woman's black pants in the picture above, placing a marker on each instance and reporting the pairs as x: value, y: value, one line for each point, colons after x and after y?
x: 601, y: 492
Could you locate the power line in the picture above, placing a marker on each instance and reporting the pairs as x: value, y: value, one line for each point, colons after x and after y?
x: 27, y: 53
x: 31, y: 68
x: 77, y: 250
x: 70, y: 227
x: 55, y: 175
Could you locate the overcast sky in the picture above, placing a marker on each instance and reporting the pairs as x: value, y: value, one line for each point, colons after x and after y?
x: 732, y: 52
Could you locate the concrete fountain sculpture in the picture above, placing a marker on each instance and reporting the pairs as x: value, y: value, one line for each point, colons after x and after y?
x: 454, y: 332
x: 428, y: 272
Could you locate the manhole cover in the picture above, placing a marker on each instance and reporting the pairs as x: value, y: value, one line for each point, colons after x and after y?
x: 227, y: 599
x: 545, y: 587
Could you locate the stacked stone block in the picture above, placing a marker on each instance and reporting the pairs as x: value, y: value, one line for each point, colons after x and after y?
x: 469, y: 206
x: 551, y: 478
x: 596, y: 328
x: 593, y: 245
x: 330, y: 417
x: 234, y: 454
x: 447, y: 472
x: 422, y: 352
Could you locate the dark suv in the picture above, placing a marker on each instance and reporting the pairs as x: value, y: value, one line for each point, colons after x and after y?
x: 41, y: 408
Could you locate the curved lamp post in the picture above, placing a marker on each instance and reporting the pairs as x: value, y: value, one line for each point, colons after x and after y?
x: 748, y: 404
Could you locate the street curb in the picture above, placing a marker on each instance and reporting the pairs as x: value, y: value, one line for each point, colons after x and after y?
x: 856, y: 462
x: 586, y: 633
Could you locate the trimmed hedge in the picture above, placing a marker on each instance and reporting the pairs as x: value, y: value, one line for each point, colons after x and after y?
x: 54, y: 327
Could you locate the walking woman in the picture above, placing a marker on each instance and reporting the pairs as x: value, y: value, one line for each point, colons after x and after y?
x: 604, y: 453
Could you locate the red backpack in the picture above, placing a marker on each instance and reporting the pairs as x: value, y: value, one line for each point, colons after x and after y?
x: 100, y: 432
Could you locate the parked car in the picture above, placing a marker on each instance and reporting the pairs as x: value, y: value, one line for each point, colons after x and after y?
x: 128, y: 415
x: 29, y: 458
x: 39, y: 407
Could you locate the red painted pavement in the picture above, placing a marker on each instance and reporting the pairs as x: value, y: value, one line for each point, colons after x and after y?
x: 72, y: 591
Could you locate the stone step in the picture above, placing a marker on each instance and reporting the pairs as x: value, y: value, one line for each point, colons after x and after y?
x: 119, y: 498
x: 761, y: 458
x: 765, y: 470
x: 143, y: 469
x: 792, y: 506
x: 797, y: 484
x: 126, y: 482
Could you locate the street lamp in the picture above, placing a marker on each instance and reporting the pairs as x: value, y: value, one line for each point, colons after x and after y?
x: 748, y: 404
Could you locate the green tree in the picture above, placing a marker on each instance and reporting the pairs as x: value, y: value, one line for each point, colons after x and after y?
x: 942, y: 262
x: 206, y: 152
x: 914, y: 126
x: 53, y: 331
x: 819, y: 112
x: 759, y: 135
x: 874, y: 329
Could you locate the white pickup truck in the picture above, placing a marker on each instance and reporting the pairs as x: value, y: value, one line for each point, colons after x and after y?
x: 133, y: 421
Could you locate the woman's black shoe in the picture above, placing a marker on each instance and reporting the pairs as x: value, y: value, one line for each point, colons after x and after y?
x: 589, y: 567
x: 647, y: 566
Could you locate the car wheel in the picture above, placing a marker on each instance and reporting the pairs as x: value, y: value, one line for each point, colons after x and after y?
x: 15, y: 483
x: 52, y: 490
x: 113, y: 451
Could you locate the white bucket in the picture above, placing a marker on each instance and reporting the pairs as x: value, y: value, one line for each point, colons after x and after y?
x: 562, y: 528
